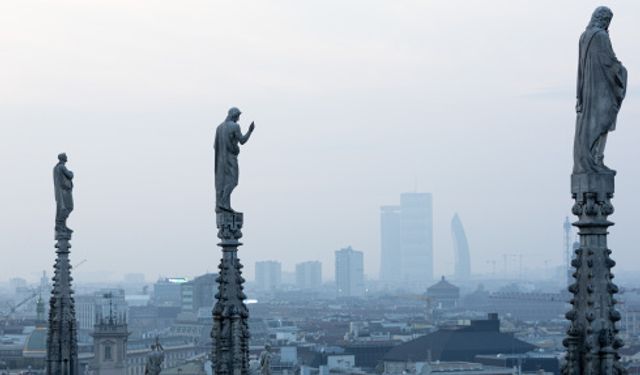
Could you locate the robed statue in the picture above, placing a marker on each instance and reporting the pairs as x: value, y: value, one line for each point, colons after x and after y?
x: 265, y: 360
x: 63, y: 189
x: 228, y: 138
x: 154, y: 359
x: 602, y: 83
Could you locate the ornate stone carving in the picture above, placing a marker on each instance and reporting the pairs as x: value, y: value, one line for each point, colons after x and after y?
x: 230, y: 315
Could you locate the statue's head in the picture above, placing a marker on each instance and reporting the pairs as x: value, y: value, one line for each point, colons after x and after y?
x: 62, y: 157
x: 601, y: 18
x: 267, y: 347
x: 234, y: 114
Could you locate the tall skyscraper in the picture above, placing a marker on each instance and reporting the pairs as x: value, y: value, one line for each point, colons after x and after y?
x: 268, y: 274
x: 461, y: 250
x: 350, y: 273
x: 407, y: 241
x: 309, y: 275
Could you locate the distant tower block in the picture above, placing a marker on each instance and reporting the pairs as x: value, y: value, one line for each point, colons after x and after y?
x: 461, y: 250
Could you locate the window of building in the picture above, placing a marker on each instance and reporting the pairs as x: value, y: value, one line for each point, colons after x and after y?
x: 107, y: 353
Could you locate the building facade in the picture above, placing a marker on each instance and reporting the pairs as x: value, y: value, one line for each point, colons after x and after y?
x: 350, y: 273
x: 268, y: 275
x: 198, y: 293
x: 110, y: 346
x: 406, y: 237
x: 462, y: 270
x: 168, y: 291
x: 309, y: 275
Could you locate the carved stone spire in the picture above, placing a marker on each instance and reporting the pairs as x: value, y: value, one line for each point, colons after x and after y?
x: 592, y: 342
x: 62, y: 343
x: 230, y: 331
x: 592, y: 339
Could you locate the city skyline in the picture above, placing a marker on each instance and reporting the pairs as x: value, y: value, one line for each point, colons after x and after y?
x: 132, y: 120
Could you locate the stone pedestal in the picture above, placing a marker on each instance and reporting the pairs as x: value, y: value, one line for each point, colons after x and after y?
x: 592, y: 343
x: 230, y: 331
x: 62, y: 342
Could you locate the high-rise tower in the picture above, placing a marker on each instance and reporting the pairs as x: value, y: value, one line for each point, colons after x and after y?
x: 350, y: 273
x: 461, y: 249
x: 406, y: 239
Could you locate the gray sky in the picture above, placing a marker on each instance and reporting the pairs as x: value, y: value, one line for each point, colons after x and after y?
x: 354, y: 103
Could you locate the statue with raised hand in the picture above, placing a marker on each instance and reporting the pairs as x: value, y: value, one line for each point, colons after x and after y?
x: 228, y: 138
x: 155, y: 359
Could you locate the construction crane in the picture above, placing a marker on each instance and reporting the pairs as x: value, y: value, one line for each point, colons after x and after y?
x: 13, y: 308
x: 8, y: 316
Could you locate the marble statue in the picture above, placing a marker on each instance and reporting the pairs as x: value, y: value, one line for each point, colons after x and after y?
x: 265, y: 360
x: 226, y: 145
x: 154, y: 359
x: 63, y: 188
x: 602, y: 82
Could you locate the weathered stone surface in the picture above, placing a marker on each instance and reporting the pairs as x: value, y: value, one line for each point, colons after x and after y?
x: 602, y: 83
x: 228, y: 138
x: 63, y: 191
x: 592, y: 338
x: 230, y: 331
x: 62, y: 341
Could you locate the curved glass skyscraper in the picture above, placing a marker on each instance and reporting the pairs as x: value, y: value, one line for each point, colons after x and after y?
x: 461, y: 249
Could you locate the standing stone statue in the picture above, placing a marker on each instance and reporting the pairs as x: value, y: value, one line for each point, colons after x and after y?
x: 228, y: 136
x: 63, y: 188
x: 602, y: 82
x: 154, y: 359
x: 592, y: 340
x: 265, y: 360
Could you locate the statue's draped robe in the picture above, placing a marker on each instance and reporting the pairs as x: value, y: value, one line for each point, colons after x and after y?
x: 228, y: 135
x: 602, y: 82
x: 63, y: 186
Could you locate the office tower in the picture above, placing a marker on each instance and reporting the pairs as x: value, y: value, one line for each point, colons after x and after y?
x: 198, y: 293
x: 309, y: 275
x: 461, y: 250
x: 168, y: 291
x: 407, y: 241
x: 268, y: 275
x: 349, y: 273
x: 416, y: 238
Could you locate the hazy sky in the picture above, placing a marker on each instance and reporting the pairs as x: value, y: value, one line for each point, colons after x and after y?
x: 355, y: 102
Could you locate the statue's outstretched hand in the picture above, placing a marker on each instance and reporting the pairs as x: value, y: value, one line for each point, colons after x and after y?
x: 252, y: 126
